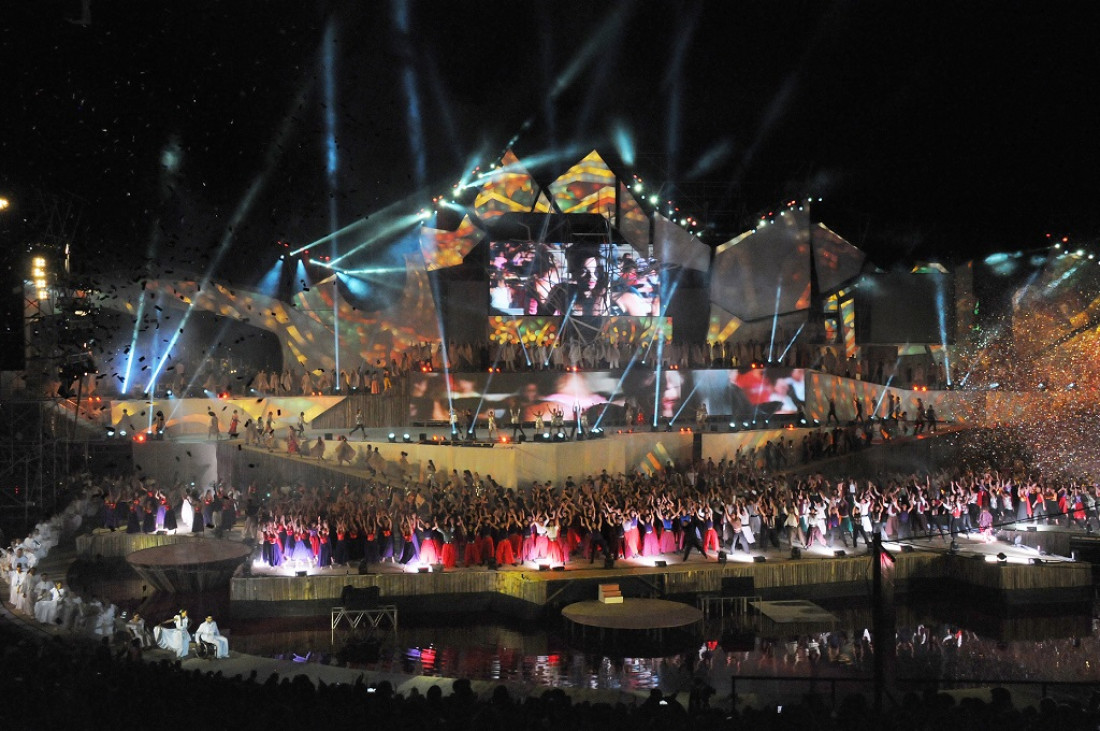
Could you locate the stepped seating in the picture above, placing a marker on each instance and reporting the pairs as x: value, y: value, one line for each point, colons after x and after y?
x: 610, y: 594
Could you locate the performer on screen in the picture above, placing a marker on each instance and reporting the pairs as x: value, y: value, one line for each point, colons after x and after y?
x: 586, y: 292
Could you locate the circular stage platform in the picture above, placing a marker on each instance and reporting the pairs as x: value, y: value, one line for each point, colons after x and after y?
x: 196, y: 565
x: 633, y: 615
x: 648, y: 618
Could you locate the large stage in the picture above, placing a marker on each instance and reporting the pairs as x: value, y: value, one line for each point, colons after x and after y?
x: 525, y: 591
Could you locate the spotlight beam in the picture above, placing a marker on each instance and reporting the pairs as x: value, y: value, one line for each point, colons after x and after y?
x: 786, y: 350
x: 387, y: 230
x: 328, y: 63
x: 412, y: 94
x: 683, y: 405
x: 618, y: 388
x: 775, y: 321
x: 354, y: 226
x: 133, y: 342
x: 274, y: 152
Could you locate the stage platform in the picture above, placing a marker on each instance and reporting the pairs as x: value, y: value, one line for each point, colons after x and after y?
x: 189, y: 566
x: 1025, y: 578
x: 528, y: 592
x: 511, y: 463
x: 795, y: 611
x: 650, y: 616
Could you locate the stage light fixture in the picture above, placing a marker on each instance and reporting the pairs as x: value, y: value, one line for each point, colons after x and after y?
x: 759, y: 559
x: 660, y: 564
x: 796, y: 553
x: 907, y: 548
x: 840, y: 553
x: 1036, y: 561
x: 406, y: 438
x: 722, y: 557
x: 392, y: 437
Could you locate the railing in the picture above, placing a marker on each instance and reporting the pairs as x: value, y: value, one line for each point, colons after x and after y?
x: 376, y: 619
x: 721, y: 606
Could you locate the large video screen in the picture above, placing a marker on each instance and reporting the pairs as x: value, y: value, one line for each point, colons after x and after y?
x: 663, y: 397
x: 580, y: 280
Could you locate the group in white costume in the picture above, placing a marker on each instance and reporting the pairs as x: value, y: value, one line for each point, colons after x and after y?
x: 49, y: 602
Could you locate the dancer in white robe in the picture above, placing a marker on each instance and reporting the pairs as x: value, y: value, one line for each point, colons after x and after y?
x: 173, y: 635
x: 187, y: 516
x: 15, y: 587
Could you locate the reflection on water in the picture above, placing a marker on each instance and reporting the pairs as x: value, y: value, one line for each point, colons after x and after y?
x: 1061, y: 648
x: 935, y: 640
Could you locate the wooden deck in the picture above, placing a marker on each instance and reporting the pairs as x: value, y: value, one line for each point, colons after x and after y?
x: 813, y: 579
x: 528, y: 591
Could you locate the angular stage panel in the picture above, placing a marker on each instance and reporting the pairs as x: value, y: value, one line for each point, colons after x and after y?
x: 508, y: 189
x: 587, y: 187
x: 836, y: 261
x: 442, y: 249
x: 765, y: 272
x: 673, y: 244
x: 198, y: 565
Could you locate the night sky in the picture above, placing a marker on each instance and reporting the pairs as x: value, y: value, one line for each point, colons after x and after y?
x: 930, y: 130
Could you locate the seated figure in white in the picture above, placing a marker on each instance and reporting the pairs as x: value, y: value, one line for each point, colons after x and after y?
x: 208, y: 632
x: 46, y: 609
x: 138, y: 631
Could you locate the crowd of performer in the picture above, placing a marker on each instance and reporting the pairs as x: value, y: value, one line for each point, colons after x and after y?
x: 428, y: 517
x: 464, y: 518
